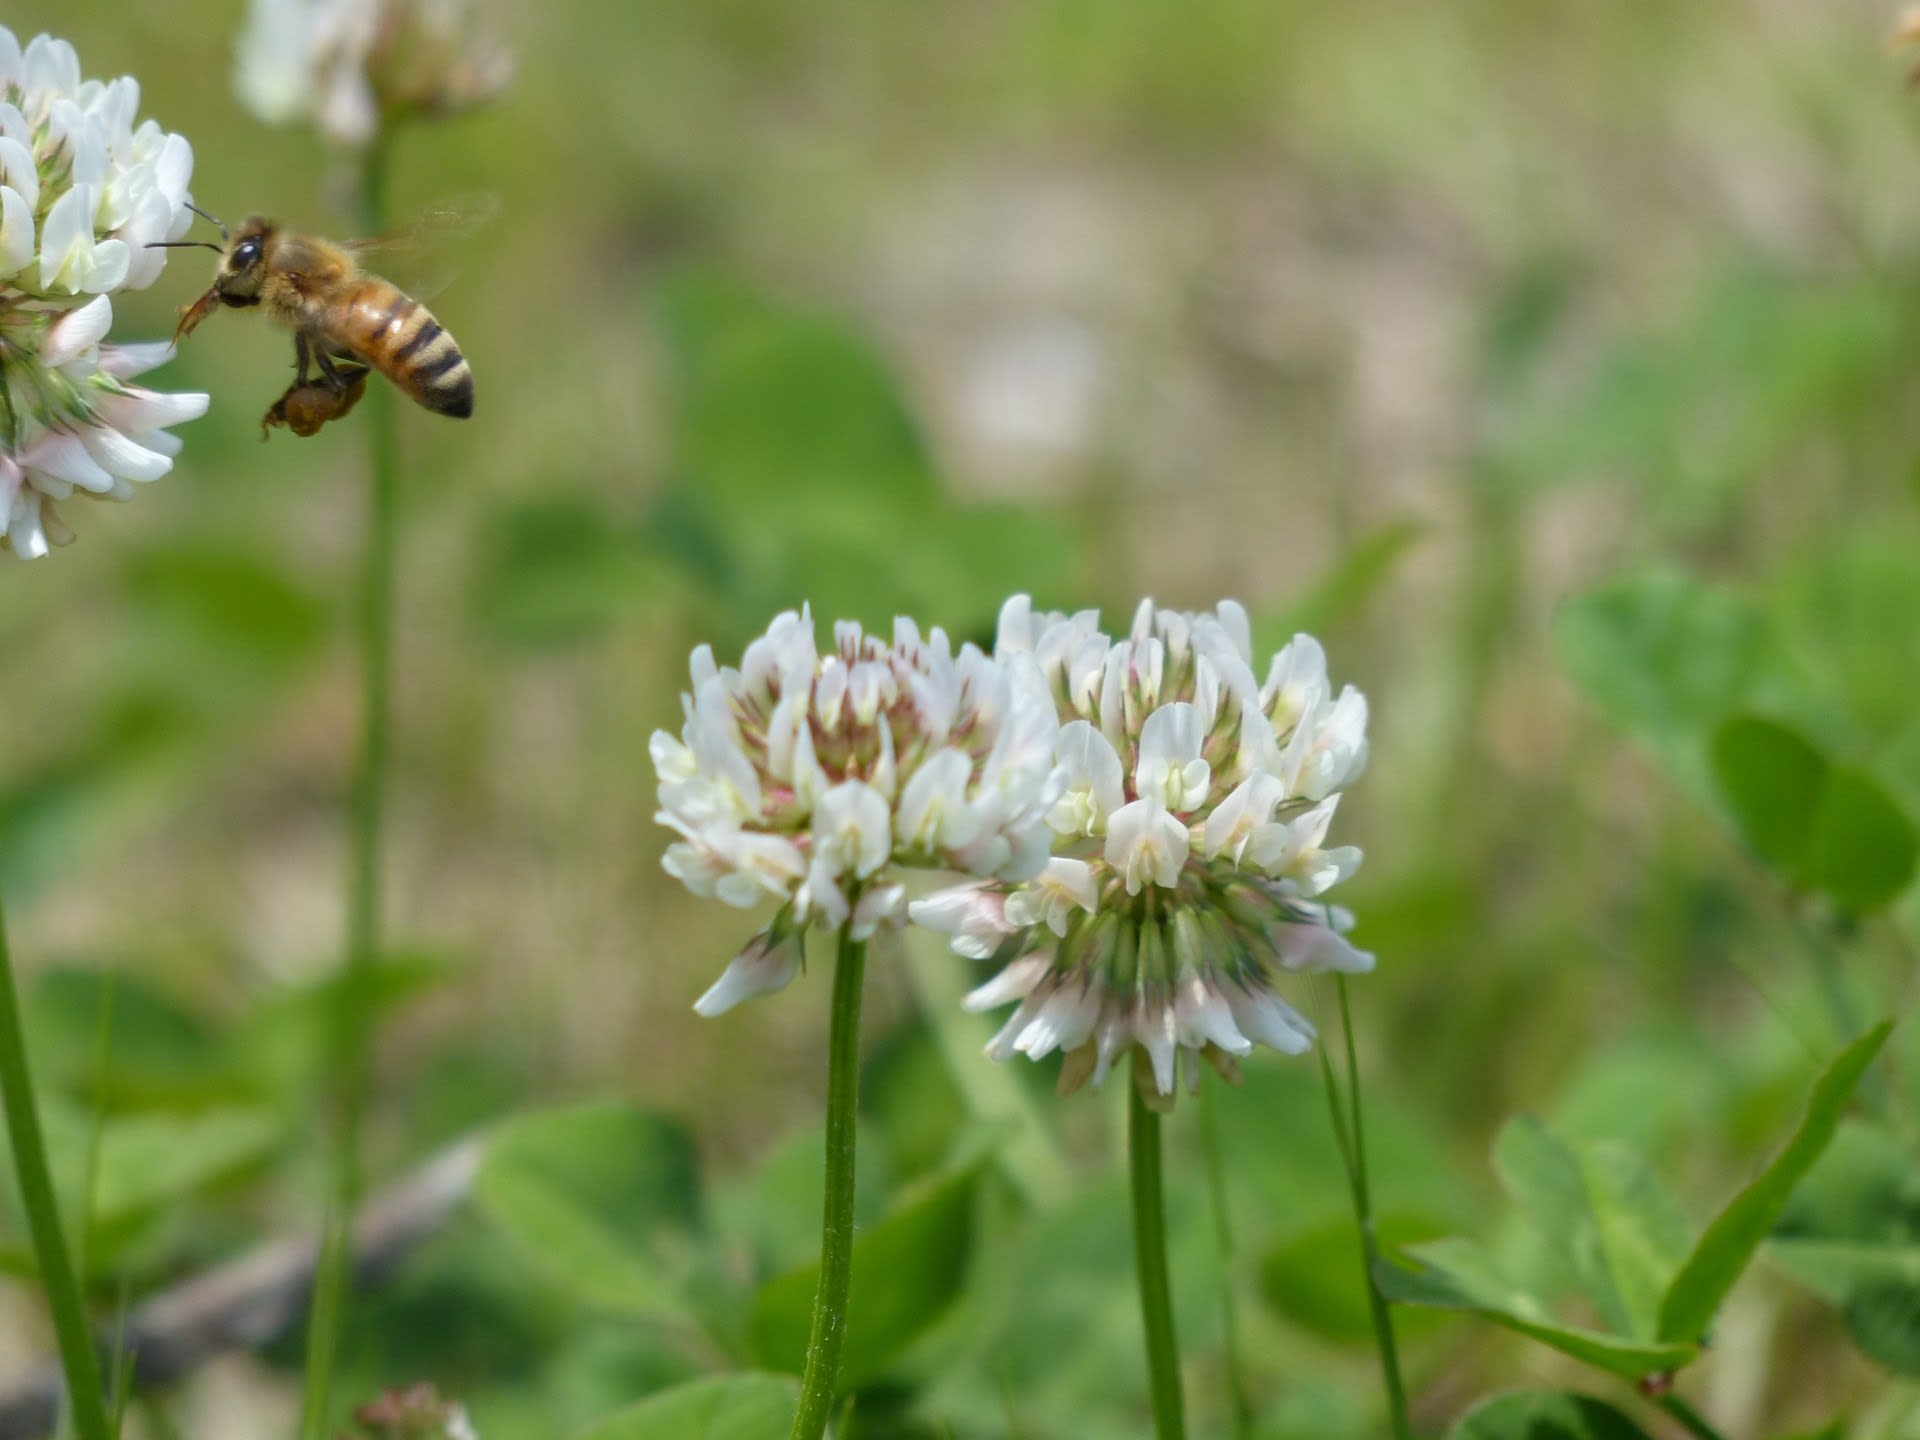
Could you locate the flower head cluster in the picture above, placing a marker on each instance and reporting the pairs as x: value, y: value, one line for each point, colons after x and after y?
x: 347, y: 66
x: 806, y: 778
x: 83, y: 190
x: 1190, y: 847
x: 416, y: 1413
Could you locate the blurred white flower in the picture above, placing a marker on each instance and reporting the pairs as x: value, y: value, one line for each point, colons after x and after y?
x: 1189, y: 836
x: 806, y: 779
x: 346, y: 66
x: 84, y: 187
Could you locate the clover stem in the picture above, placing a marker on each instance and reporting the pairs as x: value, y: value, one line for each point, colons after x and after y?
x: 821, y: 1377
x: 78, y: 1358
x: 1150, y: 1261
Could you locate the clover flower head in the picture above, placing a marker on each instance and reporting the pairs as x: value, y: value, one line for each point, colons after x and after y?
x: 1190, y: 850
x: 84, y: 187
x: 346, y: 66
x: 809, y: 778
x: 415, y: 1413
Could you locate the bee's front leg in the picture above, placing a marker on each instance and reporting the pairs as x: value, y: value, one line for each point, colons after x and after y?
x: 302, y: 360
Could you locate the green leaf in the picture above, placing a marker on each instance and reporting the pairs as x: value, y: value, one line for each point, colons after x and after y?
x: 1820, y: 826
x: 1459, y: 1276
x: 1771, y: 779
x: 603, y: 1198
x: 1544, y: 1415
x: 148, y: 1162
x: 146, y: 1166
x: 1863, y: 848
x: 906, y: 1271
x: 1838, y: 1269
x: 556, y: 571
x: 1607, y: 1218
x: 797, y: 472
x: 720, y: 1407
x: 1667, y: 658
x: 1883, y: 1317
x: 1310, y: 1278
x: 1728, y: 1245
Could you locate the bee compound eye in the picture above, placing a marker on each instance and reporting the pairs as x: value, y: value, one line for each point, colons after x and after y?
x: 245, y: 253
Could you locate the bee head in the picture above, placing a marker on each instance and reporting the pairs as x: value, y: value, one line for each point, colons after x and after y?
x: 242, y: 262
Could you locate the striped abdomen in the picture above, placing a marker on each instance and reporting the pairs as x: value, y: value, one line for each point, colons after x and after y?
x: 396, y: 335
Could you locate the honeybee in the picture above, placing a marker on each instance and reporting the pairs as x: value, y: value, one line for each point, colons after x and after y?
x: 345, y: 322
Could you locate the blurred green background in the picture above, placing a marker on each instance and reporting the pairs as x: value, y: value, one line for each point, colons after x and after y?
x: 1555, y: 364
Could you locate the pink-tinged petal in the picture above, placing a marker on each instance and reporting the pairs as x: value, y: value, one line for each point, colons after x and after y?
x: 1317, y: 948
x: 766, y: 965
x: 1205, y: 1017
x: 62, y: 459
x: 123, y: 362
x: 1267, y: 1018
x: 882, y: 906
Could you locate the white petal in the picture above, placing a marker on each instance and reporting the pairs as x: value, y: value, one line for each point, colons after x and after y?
x: 1147, y: 845
x: 1205, y: 1017
x: 1094, y: 786
x: 121, y: 457
x: 1170, y: 771
x: 1318, y: 948
x: 1270, y: 1020
x: 1016, y: 982
x: 76, y: 331
x: 16, y: 232
x: 18, y: 172
x: 852, y: 830
x: 934, y: 813
x: 64, y: 460
x: 760, y: 969
x: 126, y: 361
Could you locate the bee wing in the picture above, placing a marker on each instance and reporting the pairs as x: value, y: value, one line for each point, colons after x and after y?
x: 417, y: 256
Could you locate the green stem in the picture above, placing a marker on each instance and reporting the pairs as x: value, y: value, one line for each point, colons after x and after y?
x: 829, y: 1333
x: 78, y: 1359
x: 1150, y: 1262
x: 1224, y: 1246
x: 1829, y: 973
x: 1695, y: 1423
x: 351, y: 1039
x: 1350, y: 1133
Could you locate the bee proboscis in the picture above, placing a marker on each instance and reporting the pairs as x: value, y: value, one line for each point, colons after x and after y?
x: 345, y: 322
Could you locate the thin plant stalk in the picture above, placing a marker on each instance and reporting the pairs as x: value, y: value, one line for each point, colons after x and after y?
x: 821, y: 1378
x: 1349, y: 1133
x: 1150, y: 1263
x: 351, y: 1038
x: 78, y: 1358
x: 1224, y: 1246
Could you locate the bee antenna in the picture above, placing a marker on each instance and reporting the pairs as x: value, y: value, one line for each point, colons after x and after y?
x: 217, y: 224
x: 183, y: 245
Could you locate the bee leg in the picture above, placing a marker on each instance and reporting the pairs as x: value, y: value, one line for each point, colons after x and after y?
x: 302, y: 360
x: 338, y: 378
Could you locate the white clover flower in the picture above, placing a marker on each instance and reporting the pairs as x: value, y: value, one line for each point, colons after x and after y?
x: 1189, y: 834
x: 347, y: 65
x: 84, y: 189
x: 807, y: 779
